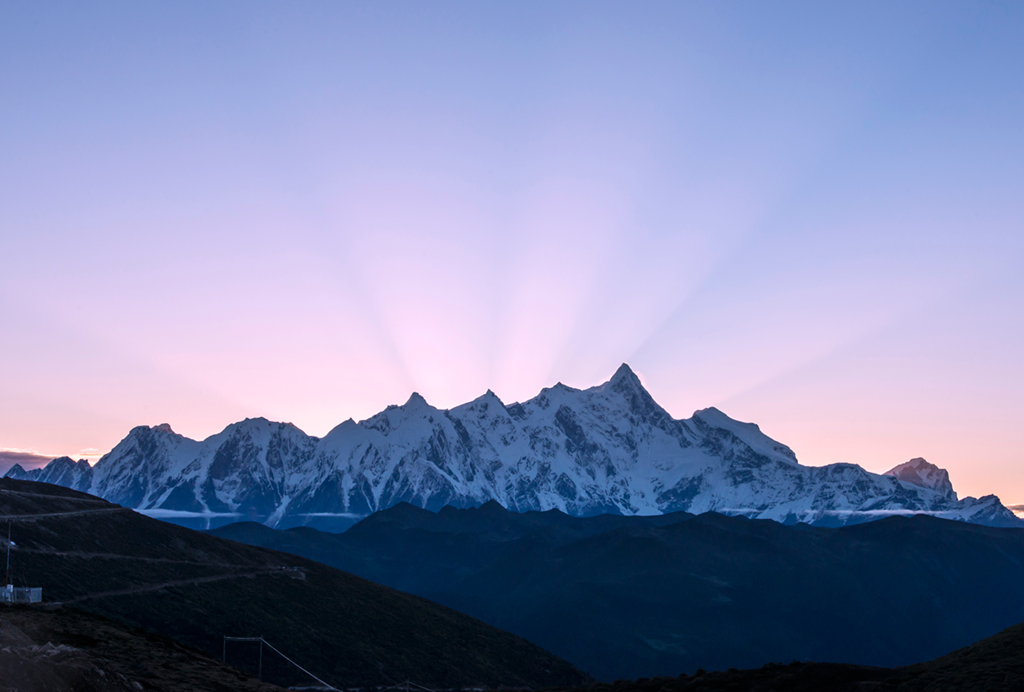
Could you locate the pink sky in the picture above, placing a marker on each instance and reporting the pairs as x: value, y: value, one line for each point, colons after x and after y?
x: 808, y: 217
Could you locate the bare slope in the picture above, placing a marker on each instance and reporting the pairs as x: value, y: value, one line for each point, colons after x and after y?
x: 197, y: 588
x: 61, y: 649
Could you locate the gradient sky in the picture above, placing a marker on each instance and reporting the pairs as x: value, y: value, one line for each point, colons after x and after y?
x: 810, y: 215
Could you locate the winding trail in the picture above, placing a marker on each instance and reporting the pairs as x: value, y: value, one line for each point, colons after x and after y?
x: 169, y: 584
x: 107, y: 509
x: 77, y: 512
x: 247, y: 572
x: 50, y: 496
x: 117, y: 556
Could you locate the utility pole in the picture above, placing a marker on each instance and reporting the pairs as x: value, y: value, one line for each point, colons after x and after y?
x: 8, y: 553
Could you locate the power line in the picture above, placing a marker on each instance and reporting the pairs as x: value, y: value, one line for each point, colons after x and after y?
x: 406, y: 685
x: 263, y: 641
x: 401, y: 686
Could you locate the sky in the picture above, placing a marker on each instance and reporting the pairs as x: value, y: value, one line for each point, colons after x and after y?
x: 809, y: 215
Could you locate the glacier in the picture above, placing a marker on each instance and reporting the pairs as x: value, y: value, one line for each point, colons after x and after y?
x: 607, y: 449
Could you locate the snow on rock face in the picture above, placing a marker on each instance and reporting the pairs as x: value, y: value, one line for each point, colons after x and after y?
x: 922, y: 474
x: 62, y: 471
x: 607, y: 449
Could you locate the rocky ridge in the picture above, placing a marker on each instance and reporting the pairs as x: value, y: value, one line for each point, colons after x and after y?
x: 920, y: 473
x: 606, y: 449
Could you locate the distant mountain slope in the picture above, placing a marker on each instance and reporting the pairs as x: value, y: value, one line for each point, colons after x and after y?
x: 607, y: 449
x: 995, y: 664
x: 624, y: 597
x: 197, y: 588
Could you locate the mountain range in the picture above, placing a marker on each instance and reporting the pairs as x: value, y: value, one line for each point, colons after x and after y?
x: 625, y: 597
x: 607, y: 449
x: 138, y: 604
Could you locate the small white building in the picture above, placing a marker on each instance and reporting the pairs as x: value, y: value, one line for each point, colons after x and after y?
x: 11, y: 594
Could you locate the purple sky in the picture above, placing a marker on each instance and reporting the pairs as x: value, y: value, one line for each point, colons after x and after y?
x: 808, y: 215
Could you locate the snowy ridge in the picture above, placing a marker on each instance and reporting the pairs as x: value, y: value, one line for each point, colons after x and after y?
x: 607, y: 449
x: 919, y: 472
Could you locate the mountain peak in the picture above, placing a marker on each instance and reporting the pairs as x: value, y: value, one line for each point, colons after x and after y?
x: 164, y: 428
x: 488, y: 397
x: 346, y: 427
x: 16, y: 472
x: 248, y: 425
x: 493, y: 508
x: 923, y: 474
x: 416, y: 400
x: 625, y: 374
x: 488, y: 401
x: 625, y: 381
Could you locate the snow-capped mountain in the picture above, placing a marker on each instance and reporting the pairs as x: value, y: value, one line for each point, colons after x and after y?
x: 607, y: 449
x: 919, y: 472
x: 63, y: 471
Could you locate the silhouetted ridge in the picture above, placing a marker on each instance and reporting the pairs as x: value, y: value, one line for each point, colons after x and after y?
x: 492, y: 508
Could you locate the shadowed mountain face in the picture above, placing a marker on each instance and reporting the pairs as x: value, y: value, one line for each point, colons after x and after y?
x: 624, y: 597
x: 197, y: 588
x: 607, y: 449
x: 995, y: 664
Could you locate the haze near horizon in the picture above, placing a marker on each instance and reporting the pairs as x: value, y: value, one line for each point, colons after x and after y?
x: 806, y: 216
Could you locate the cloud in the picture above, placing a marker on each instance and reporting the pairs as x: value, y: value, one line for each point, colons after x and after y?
x: 182, y: 514
x: 28, y: 460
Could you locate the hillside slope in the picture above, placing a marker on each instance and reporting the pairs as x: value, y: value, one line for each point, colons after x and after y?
x: 197, y: 588
x: 60, y: 649
x: 633, y: 596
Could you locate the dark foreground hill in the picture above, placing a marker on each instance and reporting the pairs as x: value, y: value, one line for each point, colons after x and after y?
x: 197, y: 588
x: 61, y: 649
x: 624, y: 597
x: 995, y: 664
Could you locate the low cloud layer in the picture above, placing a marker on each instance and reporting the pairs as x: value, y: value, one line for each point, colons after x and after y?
x: 28, y: 460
